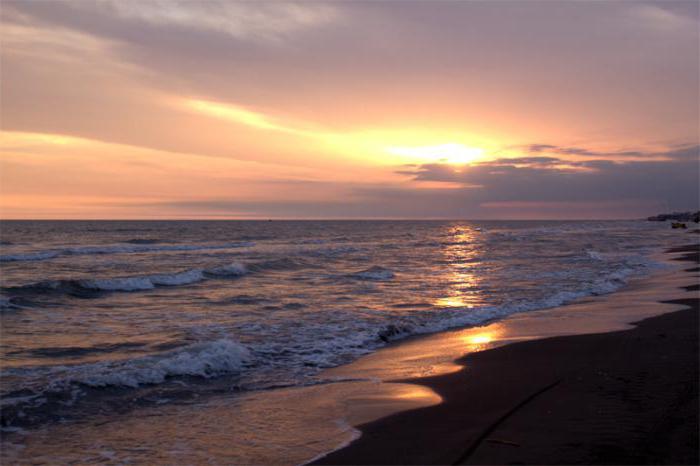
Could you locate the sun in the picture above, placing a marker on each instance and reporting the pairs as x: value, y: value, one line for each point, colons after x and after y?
x: 452, y: 153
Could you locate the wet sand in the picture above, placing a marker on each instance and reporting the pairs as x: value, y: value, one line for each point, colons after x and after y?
x: 623, y: 397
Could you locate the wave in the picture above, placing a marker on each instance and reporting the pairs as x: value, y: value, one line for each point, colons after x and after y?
x: 455, y: 317
x: 284, y: 263
x: 231, y: 270
x: 29, y: 256
x: 87, y: 287
x: 64, y: 384
x: 374, y: 273
x: 118, y: 249
x: 7, y: 304
x: 207, y: 359
x: 147, y: 282
x: 320, y: 345
x: 328, y: 344
x: 244, y: 299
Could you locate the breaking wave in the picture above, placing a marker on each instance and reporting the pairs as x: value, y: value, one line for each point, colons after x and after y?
x: 143, y: 283
x: 223, y: 356
x: 208, y: 359
x: 134, y: 283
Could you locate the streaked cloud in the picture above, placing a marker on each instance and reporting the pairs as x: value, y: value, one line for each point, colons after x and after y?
x: 257, y: 20
x: 238, y: 115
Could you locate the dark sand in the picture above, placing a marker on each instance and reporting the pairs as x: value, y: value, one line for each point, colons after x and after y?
x: 626, y: 397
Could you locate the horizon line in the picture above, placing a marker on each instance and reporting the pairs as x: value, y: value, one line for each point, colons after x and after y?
x: 366, y: 219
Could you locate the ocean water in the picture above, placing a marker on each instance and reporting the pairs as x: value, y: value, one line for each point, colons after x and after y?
x: 107, y: 317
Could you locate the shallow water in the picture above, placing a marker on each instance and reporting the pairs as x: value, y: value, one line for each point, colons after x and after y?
x: 104, y: 319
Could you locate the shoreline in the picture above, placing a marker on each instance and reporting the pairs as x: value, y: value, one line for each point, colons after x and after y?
x: 589, y: 398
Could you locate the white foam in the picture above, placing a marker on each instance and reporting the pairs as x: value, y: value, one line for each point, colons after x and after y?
x: 183, y: 278
x: 146, y: 282
x: 374, y: 273
x: 139, y: 282
x: 595, y: 255
x: 234, y: 269
x: 420, y: 323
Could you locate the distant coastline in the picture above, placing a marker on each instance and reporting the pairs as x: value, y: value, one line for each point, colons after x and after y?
x: 676, y: 216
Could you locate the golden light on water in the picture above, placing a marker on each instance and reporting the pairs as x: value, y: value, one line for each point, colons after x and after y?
x: 414, y: 392
x: 451, y: 301
x: 480, y: 339
x: 461, y: 253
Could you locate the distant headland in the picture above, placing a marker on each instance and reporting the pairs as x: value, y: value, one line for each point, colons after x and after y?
x: 677, y: 216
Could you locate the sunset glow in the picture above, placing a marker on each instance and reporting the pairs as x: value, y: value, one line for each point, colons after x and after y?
x: 445, y: 153
x: 240, y: 110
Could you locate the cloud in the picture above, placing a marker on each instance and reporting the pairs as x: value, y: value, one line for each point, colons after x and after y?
x: 352, y: 64
x: 526, y: 188
x: 538, y: 148
x: 682, y: 151
x: 531, y: 161
x: 668, y: 16
x: 673, y: 180
x: 239, y: 115
x: 240, y: 20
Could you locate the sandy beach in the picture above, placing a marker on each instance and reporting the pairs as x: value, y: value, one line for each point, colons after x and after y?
x: 623, y: 397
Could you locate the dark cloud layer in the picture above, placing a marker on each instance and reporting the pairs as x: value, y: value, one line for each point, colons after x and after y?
x: 670, y: 182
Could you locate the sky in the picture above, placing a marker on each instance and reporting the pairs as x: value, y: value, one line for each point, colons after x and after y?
x: 356, y: 109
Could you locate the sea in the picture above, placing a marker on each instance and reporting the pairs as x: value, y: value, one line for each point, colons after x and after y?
x: 106, y: 319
